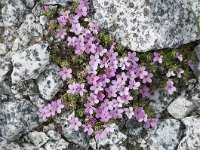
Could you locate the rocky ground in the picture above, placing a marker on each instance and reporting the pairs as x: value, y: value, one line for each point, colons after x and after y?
x: 28, y: 79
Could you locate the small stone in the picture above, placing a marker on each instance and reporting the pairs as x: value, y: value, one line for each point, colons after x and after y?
x: 160, y: 101
x: 117, y: 147
x: 192, y: 134
x: 38, y: 138
x: 30, y: 3
x: 180, y: 107
x: 3, y: 49
x: 93, y: 143
x: 166, y: 136
x: 53, y: 135
x: 58, y: 145
x: 115, y: 137
x: 12, y: 13
x: 5, y: 67
x: 29, y: 63
x: 49, y: 82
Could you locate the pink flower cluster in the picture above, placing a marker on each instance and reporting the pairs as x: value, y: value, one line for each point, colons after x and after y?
x: 110, y: 78
x: 51, y: 109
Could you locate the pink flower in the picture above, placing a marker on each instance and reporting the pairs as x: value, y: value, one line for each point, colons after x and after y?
x: 129, y: 112
x: 76, y: 28
x: 134, y: 85
x: 74, y: 123
x: 139, y: 114
x: 65, y: 73
x: 170, y: 73
x: 180, y: 72
x: 89, y: 108
x: 80, y: 50
x: 190, y: 64
x: 107, y: 105
x: 92, y: 79
x: 170, y: 87
x: 46, y: 7
x: 112, y: 55
x: 90, y: 48
x: 59, y: 105
x: 179, y: 56
x: 72, y: 88
x: 111, y: 91
x: 151, y: 122
x: 43, y: 111
x: 73, y: 19
x: 81, y: 89
x: 140, y: 71
x: 100, y: 96
x: 71, y: 41
x: 124, y: 63
x: 51, y: 110
x: 88, y: 129
x: 105, y: 116
x: 110, y: 72
x: 94, y: 27
x: 126, y: 98
x: 65, y: 14
x: 157, y: 57
x: 81, y: 11
x: 132, y: 57
x: 145, y: 91
x: 97, y: 88
x: 93, y: 99
x: 94, y: 61
x: 62, y: 21
x: 147, y: 78
x: 61, y: 34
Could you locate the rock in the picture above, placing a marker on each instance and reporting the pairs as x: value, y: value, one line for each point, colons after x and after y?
x: 22, y: 89
x: 192, y: 134
x: 166, y: 136
x: 12, y: 13
x: 93, y: 143
x: 60, y: 2
x: 29, y: 63
x: 135, y: 129
x: 3, y: 49
x: 53, y: 135
x: 11, y: 146
x: 38, y: 138
x: 49, y: 82
x: 30, y: 3
x: 116, y: 147
x: 180, y: 107
x: 78, y: 137
x: 5, y: 67
x: 28, y: 146
x: 115, y: 137
x: 146, y: 25
x: 160, y: 101
x: 58, y: 145
x: 30, y: 32
x: 37, y: 101
x: 17, y: 118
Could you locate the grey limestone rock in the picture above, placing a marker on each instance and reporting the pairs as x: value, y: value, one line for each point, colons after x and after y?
x: 3, y: 49
x: 13, y: 12
x: 58, y: 145
x: 38, y: 138
x: 160, y: 101
x: 197, y: 63
x: 17, y: 118
x: 148, y: 24
x: 116, y: 137
x: 180, y: 107
x: 49, y: 82
x: 192, y: 134
x: 5, y: 67
x: 29, y: 63
x: 166, y: 136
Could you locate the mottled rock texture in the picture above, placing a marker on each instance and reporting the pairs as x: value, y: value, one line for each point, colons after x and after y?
x: 166, y: 136
x: 49, y: 82
x: 191, y: 140
x: 29, y: 63
x: 148, y: 24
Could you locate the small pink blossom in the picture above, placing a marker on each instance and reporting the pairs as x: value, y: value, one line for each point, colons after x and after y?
x: 170, y: 73
x: 74, y: 123
x: 145, y: 91
x: 65, y: 73
x: 170, y: 87
x: 157, y: 57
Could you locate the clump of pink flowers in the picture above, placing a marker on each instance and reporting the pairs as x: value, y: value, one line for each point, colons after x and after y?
x: 110, y: 79
x: 51, y: 109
